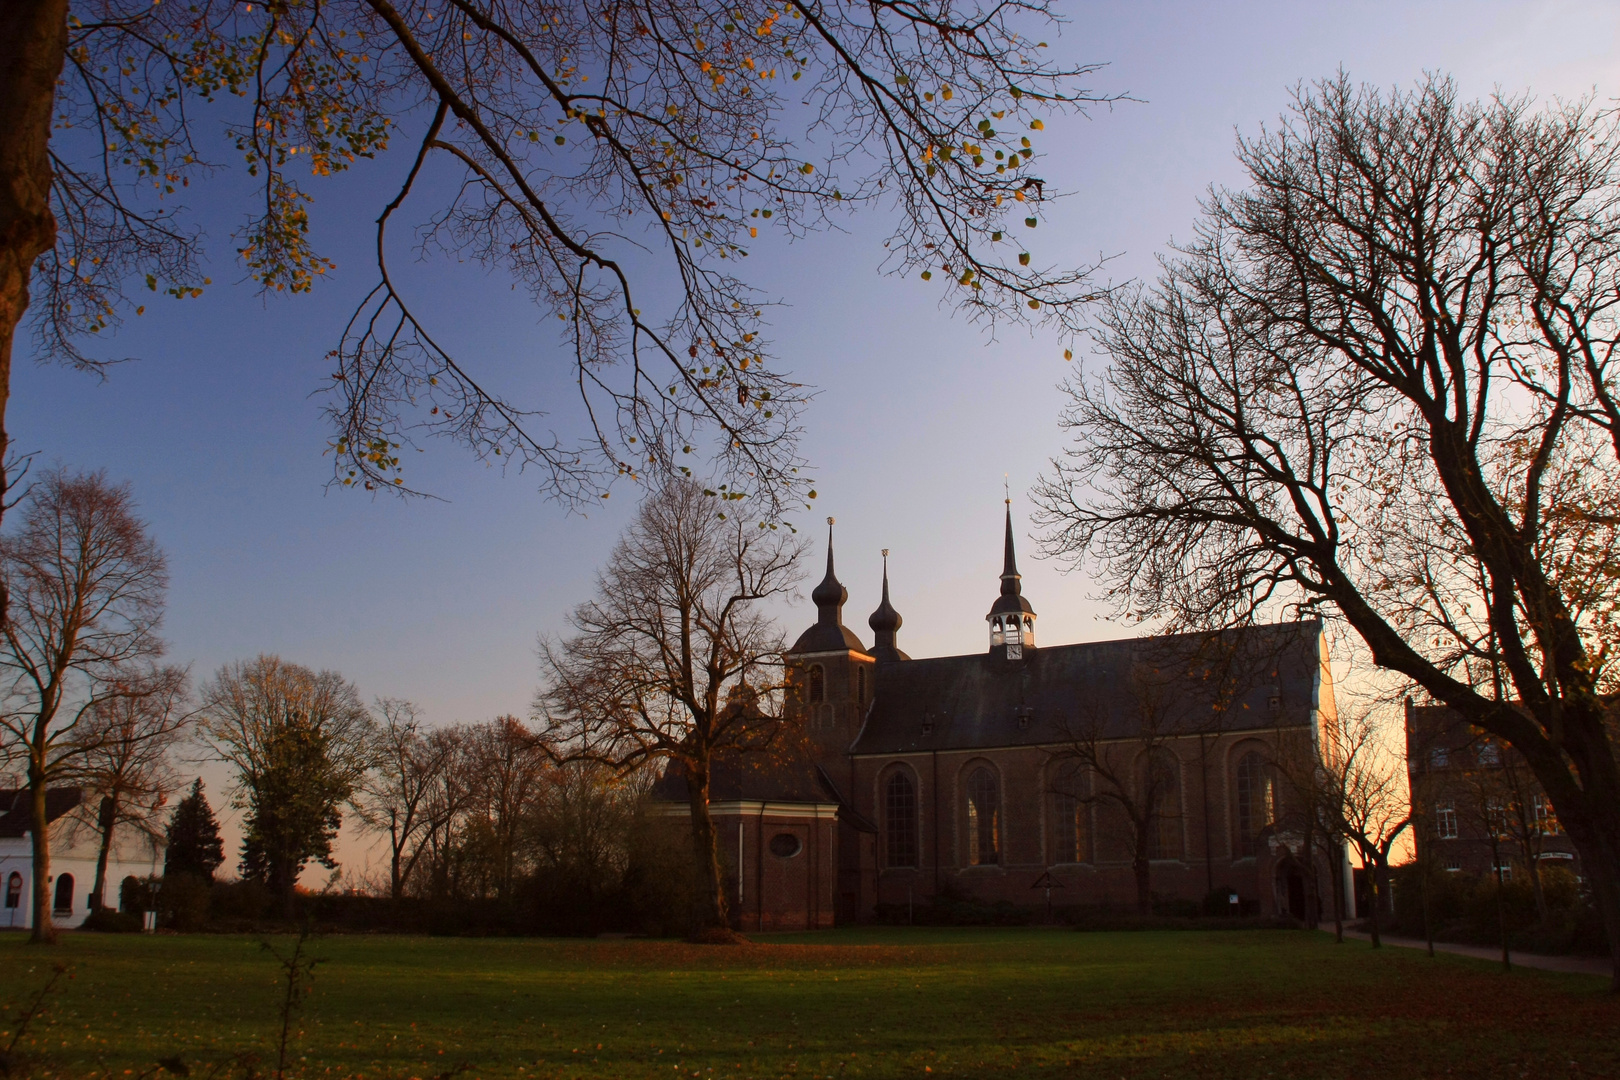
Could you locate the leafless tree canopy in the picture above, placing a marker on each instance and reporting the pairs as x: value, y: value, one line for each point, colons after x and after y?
x: 674, y: 660
x: 127, y: 761
x: 300, y: 743
x: 1380, y: 384
x: 86, y: 587
x: 602, y: 154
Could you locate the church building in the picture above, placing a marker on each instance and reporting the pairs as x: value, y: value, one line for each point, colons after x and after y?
x: 1031, y: 771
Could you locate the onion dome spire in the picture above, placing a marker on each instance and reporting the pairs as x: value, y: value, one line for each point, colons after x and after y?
x: 1011, y: 618
x: 885, y: 622
x: 829, y: 633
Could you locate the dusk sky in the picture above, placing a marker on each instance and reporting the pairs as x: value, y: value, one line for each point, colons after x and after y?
x: 919, y: 414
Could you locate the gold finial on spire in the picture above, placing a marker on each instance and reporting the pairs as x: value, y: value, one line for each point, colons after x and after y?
x: 829, y: 521
x: 1006, y: 489
x: 885, y: 553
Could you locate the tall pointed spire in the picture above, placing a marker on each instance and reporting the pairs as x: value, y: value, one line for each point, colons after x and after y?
x: 885, y: 622
x: 1011, y: 580
x: 829, y: 632
x: 830, y: 595
x: 1011, y: 618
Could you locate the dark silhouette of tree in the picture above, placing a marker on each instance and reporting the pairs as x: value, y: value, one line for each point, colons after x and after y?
x: 399, y: 794
x: 300, y: 742
x: 126, y: 765
x: 86, y: 587
x: 192, y: 841
x: 592, y: 153
x: 673, y: 660
x: 1379, y: 383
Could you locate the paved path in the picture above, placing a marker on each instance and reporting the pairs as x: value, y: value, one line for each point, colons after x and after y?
x: 1576, y: 965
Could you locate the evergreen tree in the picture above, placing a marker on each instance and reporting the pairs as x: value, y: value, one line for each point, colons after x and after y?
x: 194, y: 846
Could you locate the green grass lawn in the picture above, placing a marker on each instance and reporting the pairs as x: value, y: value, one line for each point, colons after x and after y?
x: 878, y: 1003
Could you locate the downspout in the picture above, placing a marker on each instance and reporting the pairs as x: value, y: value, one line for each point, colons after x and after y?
x: 759, y: 867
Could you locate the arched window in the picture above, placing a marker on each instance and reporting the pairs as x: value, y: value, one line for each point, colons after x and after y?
x: 899, y: 821
x: 983, y: 818
x: 1071, y: 816
x: 1256, y: 802
x: 818, y: 684
x: 64, y: 894
x: 14, y: 890
x: 860, y: 686
x: 1164, y: 793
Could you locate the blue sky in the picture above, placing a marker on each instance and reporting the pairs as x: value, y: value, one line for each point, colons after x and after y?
x: 917, y: 418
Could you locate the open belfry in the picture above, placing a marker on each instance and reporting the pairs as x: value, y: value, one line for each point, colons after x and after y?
x: 1027, y: 772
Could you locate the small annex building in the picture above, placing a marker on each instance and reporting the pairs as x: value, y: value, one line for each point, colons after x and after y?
x: 73, y: 859
x: 962, y: 776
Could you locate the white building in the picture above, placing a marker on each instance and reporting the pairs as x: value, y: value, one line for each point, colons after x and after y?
x: 73, y: 860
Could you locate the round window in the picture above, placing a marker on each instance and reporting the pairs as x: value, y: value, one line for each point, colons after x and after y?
x: 785, y: 845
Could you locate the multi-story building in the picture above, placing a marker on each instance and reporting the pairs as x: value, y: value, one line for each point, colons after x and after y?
x: 1476, y: 804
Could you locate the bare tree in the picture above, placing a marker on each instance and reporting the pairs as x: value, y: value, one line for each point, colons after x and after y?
x: 300, y: 743
x: 506, y: 770
x: 1365, y: 798
x: 593, y: 152
x: 86, y: 587
x: 674, y: 660
x: 127, y: 764
x: 1133, y: 774
x: 449, y: 795
x: 1379, y: 384
x: 399, y: 793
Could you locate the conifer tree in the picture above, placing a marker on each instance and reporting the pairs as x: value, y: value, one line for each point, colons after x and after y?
x: 194, y: 844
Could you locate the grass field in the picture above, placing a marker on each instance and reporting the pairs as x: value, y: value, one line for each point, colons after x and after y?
x: 912, y: 1003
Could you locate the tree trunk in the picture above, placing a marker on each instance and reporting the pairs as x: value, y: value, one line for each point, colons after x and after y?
x: 709, y: 918
x: 1369, y: 863
x: 1336, y: 862
x: 1144, y: 883
x: 107, y: 818
x: 33, y: 43
x: 1600, y: 862
x: 43, y: 932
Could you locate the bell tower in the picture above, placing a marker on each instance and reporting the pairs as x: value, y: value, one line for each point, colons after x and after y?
x: 1011, y: 618
x: 830, y: 672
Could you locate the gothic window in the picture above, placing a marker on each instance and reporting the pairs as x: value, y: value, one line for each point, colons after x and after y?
x: 1445, y: 821
x: 64, y: 894
x: 1070, y: 817
x: 1256, y: 799
x: 818, y: 684
x: 900, y: 820
x: 1164, y: 791
x: 983, y: 818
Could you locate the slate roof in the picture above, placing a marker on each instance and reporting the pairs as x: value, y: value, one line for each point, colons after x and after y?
x: 757, y: 778
x: 14, y: 822
x: 751, y: 778
x: 977, y: 701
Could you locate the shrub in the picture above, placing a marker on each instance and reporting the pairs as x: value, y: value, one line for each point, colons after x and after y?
x: 138, y: 894
x: 184, y: 902
x: 108, y: 921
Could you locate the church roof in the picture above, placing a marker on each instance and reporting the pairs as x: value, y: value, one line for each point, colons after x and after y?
x: 750, y: 778
x: 983, y: 701
x: 15, y: 813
